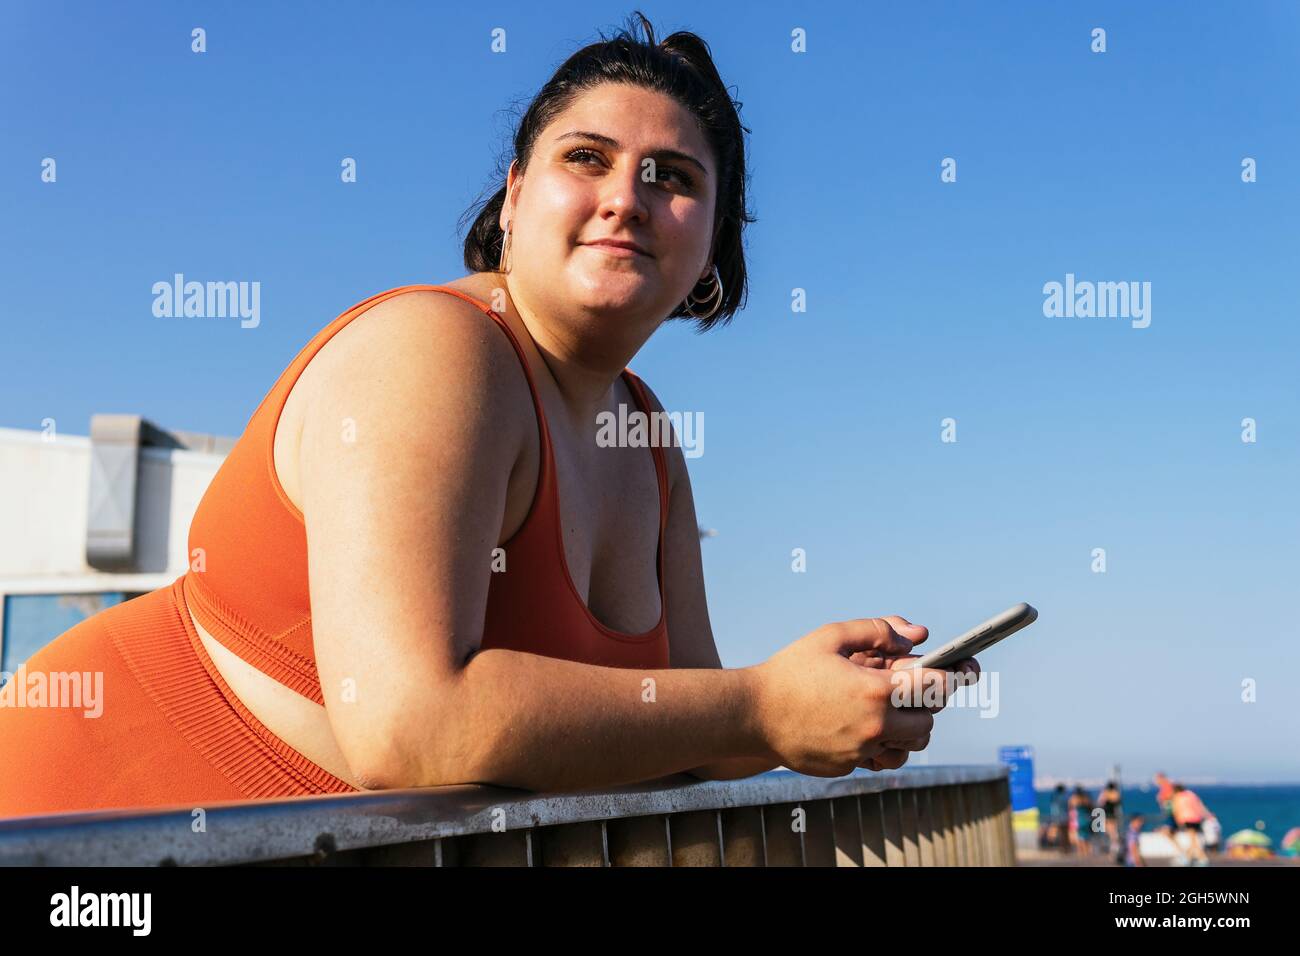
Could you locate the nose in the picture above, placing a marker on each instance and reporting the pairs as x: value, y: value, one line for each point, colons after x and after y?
x: 621, y: 195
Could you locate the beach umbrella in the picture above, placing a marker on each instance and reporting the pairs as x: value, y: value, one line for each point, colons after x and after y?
x: 1291, y: 842
x: 1249, y: 838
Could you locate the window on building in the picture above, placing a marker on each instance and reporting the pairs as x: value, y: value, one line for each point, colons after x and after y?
x: 33, y: 620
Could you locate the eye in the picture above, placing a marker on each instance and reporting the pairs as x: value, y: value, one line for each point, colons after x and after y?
x: 682, y: 178
x: 584, y: 156
x: 576, y: 152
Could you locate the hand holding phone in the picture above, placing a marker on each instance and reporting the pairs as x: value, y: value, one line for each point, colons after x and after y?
x: 977, y: 638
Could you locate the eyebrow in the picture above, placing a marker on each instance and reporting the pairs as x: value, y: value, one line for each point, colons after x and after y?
x: 663, y: 152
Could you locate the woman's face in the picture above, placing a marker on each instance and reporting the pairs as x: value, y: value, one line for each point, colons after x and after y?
x: 623, y: 163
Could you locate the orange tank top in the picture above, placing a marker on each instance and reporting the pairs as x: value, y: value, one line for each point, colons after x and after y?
x: 1188, y: 807
x: 247, y: 582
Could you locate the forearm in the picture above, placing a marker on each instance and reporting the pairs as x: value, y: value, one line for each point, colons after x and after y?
x: 733, y: 768
x: 545, y: 724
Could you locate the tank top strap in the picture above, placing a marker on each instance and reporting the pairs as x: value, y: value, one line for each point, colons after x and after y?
x: 543, y: 430
x: 546, y: 480
x: 661, y: 465
x: 635, y: 385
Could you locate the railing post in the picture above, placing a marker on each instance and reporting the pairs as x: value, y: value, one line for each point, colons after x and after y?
x: 573, y: 844
x: 848, y: 831
x: 977, y: 824
x: 893, y: 817
x: 990, y: 834
x: 784, y: 843
x: 927, y: 829
x: 945, y: 796
x: 742, y: 836
x: 871, y: 812
x: 911, y: 850
x: 695, y: 839
x: 1007, y: 825
x: 638, y: 841
x: 819, y: 836
x: 965, y: 838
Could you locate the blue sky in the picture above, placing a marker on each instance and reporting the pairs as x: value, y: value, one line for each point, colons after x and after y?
x: 822, y: 428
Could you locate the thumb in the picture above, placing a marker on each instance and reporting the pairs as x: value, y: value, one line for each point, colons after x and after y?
x: 866, y: 634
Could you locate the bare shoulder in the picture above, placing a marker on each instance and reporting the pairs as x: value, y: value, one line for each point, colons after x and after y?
x: 414, y: 356
x: 673, y: 455
x: 434, y: 323
x: 433, y: 341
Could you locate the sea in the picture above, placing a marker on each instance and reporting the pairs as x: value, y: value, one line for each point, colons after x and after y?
x: 1270, y: 808
x: 1273, y: 809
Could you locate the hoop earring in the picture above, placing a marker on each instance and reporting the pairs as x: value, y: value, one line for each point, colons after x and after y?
x: 714, y: 284
x: 505, y: 250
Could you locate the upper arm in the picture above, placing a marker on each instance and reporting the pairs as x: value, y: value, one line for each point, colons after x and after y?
x: 690, y: 635
x: 406, y: 451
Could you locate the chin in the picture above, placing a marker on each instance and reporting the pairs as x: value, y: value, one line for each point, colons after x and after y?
x: 611, y: 290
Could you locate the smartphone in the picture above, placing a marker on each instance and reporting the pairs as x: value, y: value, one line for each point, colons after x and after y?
x: 978, y: 638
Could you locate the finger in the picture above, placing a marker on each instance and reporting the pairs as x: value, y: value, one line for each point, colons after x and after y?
x: 879, y: 660
x: 907, y: 723
x: 916, y: 633
x: 865, y: 634
x: 870, y: 659
x: 966, y: 673
x: 968, y: 666
x: 889, y: 759
x: 920, y: 687
x: 915, y: 743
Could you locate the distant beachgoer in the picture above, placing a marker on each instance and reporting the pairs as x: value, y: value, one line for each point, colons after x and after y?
x: 1111, y: 807
x: 1211, y: 833
x: 1056, y: 818
x: 1132, y: 841
x: 1071, y: 824
x: 1189, y: 815
x: 1080, y: 821
x: 1165, y: 799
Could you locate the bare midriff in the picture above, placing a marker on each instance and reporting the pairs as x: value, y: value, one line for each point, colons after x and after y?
x: 302, y: 724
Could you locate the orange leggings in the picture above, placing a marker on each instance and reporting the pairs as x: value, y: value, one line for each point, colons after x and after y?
x: 170, y: 732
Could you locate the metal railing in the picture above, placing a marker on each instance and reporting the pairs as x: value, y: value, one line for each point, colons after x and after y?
x: 923, y: 816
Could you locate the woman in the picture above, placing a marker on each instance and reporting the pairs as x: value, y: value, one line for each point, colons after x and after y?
x: 1057, y: 827
x: 417, y: 567
x: 1165, y: 800
x: 1080, y: 821
x: 1133, y: 842
x: 1110, y: 801
x: 1189, y: 815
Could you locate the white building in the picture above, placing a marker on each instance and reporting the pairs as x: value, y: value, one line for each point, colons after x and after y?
x: 89, y: 521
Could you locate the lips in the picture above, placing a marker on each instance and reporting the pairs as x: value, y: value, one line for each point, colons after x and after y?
x: 618, y: 244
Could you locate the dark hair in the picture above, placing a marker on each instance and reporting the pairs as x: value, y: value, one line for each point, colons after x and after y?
x: 680, y: 66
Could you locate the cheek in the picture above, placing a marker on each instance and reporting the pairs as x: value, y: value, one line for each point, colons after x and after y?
x: 562, y: 204
x: 687, y: 222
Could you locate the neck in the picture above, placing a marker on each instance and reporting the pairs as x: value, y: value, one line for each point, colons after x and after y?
x: 582, y: 369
